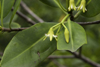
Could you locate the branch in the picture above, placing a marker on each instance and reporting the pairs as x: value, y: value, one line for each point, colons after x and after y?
x: 20, y: 29
x: 80, y: 51
x: 60, y: 57
x: 30, y: 12
x: 88, y: 23
x: 25, y: 17
x: 14, y: 29
x: 85, y: 59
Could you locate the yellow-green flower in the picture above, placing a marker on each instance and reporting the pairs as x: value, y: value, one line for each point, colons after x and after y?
x: 50, y: 34
x: 82, y: 6
x: 71, y: 5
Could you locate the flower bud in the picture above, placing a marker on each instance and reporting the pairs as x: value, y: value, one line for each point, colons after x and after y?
x: 66, y: 33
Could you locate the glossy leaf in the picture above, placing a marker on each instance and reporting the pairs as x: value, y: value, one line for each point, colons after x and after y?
x: 7, y: 7
x: 77, y: 37
x: 49, y: 2
x: 27, y: 48
x: 92, y: 8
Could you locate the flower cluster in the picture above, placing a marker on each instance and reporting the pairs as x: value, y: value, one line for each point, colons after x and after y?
x: 51, y: 35
x: 81, y: 7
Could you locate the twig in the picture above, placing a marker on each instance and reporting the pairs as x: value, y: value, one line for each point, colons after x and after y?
x: 80, y: 51
x: 20, y: 29
x: 14, y: 29
x: 85, y: 59
x: 89, y: 23
x: 71, y: 16
x: 25, y: 17
x: 60, y: 57
x: 30, y: 12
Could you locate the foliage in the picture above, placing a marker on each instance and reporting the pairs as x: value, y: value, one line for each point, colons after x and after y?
x: 28, y: 48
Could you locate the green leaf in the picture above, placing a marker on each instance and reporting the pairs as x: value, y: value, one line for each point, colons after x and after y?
x: 13, y: 25
x: 67, y: 4
x: 27, y: 48
x: 77, y: 37
x: 14, y: 11
x: 93, y: 8
x: 60, y: 6
x: 49, y: 2
x: 5, y: 35
x: 8, y: 17
x: 7, y: 7
x: 2, y: 7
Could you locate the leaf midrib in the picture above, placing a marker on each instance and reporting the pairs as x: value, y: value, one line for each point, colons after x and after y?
x: 70, y: 30
x: 24, y: 50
